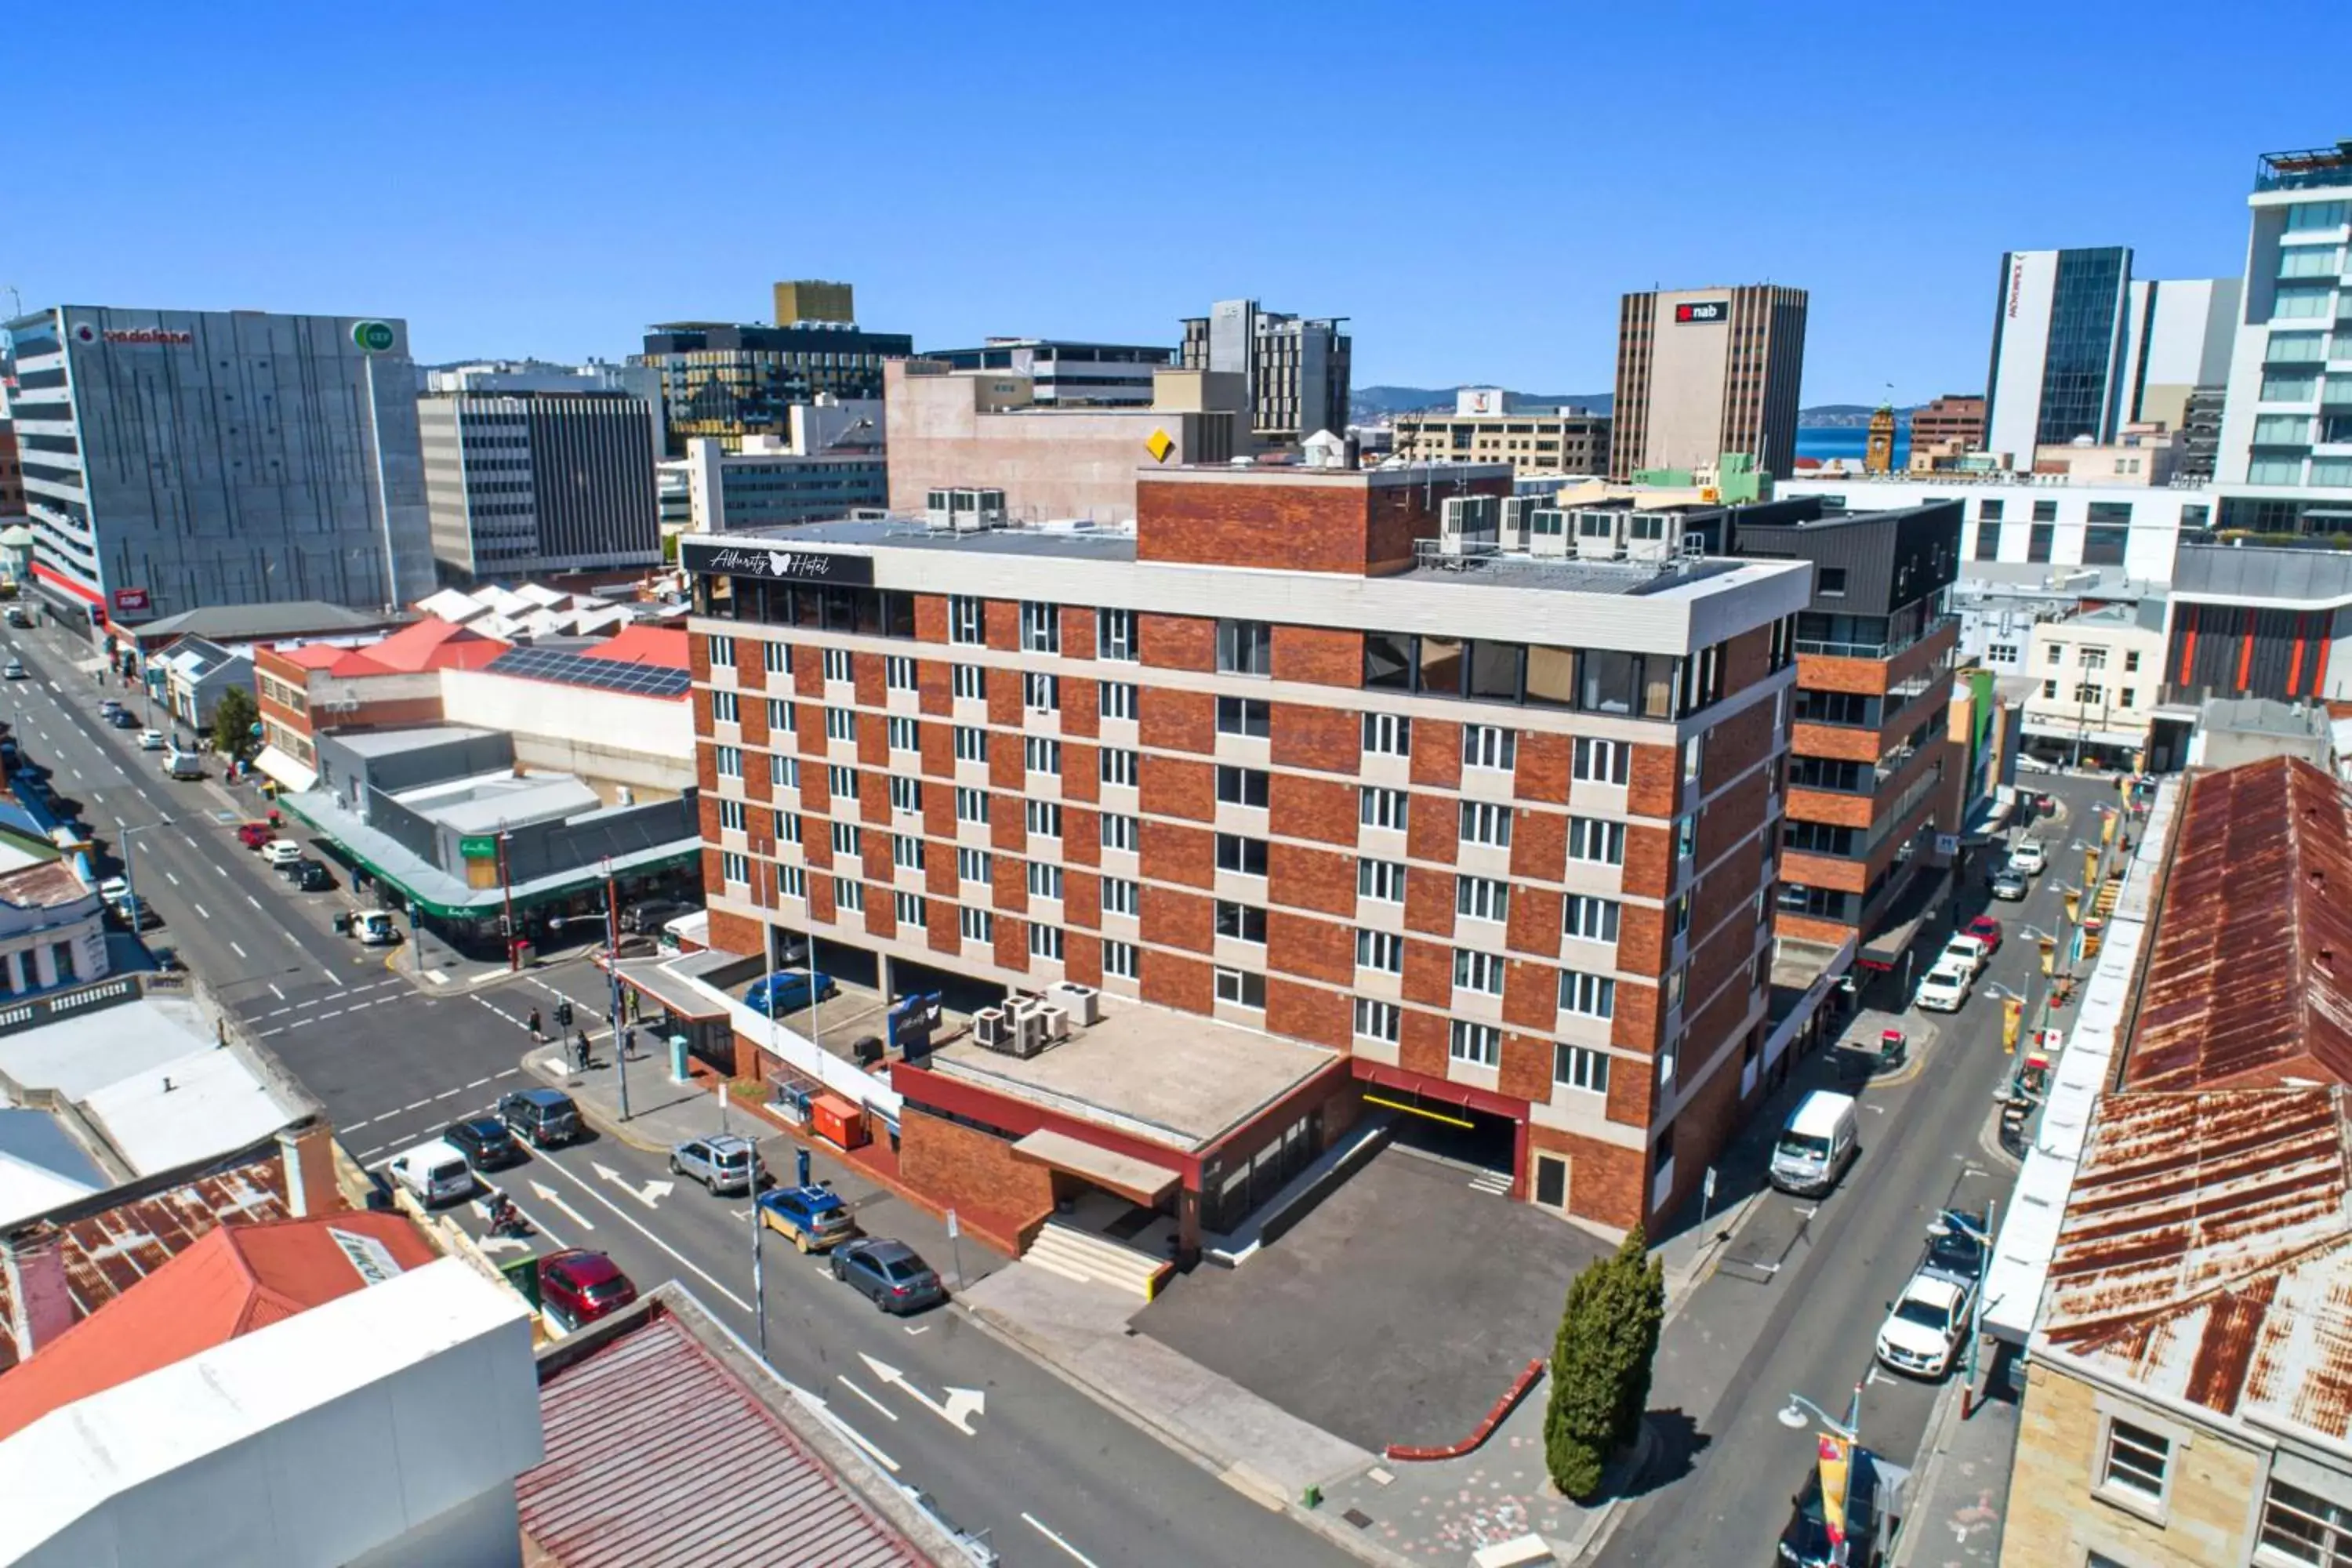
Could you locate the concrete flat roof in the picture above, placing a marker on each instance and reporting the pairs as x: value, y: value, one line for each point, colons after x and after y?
x: 1175, y: 1079
x: 392, y: 743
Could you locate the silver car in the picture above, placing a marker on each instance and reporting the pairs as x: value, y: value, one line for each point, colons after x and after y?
x: 725, y: 1164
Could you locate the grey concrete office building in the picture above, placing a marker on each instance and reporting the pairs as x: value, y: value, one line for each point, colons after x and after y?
x: 1297, y: 368
x: 180, y: 458
x: 533, y: 472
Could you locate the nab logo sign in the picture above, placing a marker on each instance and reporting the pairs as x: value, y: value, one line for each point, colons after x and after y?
x: 1703, y: 311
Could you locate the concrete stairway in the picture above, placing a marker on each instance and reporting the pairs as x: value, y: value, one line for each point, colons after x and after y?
x: 1084, y: 1256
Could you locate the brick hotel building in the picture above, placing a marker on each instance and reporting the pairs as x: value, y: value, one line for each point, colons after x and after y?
x: 1494, y: 835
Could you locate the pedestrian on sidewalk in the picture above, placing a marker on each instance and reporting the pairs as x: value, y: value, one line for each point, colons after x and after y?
x: 531, y: 1023
x: 580, y: 1048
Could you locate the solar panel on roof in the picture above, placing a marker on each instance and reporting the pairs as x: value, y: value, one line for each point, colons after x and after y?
x: 599, y: 674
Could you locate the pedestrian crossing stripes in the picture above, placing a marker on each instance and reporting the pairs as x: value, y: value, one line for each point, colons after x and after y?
x: 1498, y: 1182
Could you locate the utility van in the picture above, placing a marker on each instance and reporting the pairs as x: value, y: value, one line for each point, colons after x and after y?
x: 1820, y: 1141
x: 185, y: 765
x: 434, y: 1173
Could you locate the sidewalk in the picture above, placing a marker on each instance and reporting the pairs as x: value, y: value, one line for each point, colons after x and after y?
x: 1962, y: 1496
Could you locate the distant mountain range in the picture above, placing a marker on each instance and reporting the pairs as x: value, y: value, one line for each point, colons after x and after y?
x: 1367, y: 403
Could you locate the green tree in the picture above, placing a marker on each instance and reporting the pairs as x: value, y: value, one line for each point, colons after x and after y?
x: 233, y: 721
x: 1601, y: 1365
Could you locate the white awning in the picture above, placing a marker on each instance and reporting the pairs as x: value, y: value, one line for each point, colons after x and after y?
x: 288, y: 773
x: 1139, y: 1180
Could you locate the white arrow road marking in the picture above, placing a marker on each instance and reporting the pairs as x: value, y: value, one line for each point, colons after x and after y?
x: 626, y: 1218
x: 1076, y: 1555
x: 548, y: 1195
x: 495, y: 1243
x: 651, y: 1193
x: 962, y: 1403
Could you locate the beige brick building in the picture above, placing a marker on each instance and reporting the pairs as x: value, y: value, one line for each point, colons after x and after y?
x: 1534, y: 441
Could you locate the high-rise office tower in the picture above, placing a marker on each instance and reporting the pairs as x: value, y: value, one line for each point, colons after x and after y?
x: 175, y: 459
x: 2289, y: 412
x: 728, y: 381
x: 2059, y: 337
x: 1702, y: 371
x: 1296, y: 367
x: 2178, y: 333
x: 532, y: 469
x: 809, y: 300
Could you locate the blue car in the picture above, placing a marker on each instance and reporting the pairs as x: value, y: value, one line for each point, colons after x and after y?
x: 786, y: 990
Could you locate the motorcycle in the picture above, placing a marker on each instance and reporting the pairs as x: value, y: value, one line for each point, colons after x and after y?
x: 508, y: 1220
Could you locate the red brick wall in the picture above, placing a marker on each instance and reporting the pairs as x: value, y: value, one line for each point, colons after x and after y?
x: 1319, y: 656
x: 961, y: 1167
x: 1654, y: 781
x: 1605, y: 1183
x: 1543, y: 764
x: 1312, y: 808
x: 1437, y: 754
x: 1316, y: 949
x: 1310, y: 879
x: 1177, y: 720
x: 1177, y: 642
x: 1171, y: 853
x: 1171, y: 786
x: 1293, y: 528
x: 1328, y: 739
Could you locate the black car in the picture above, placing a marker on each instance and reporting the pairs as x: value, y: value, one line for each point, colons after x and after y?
x: 311, y: 876
x: 485, y: 1141
x: 1954, y: 1251
x: 1805, y: 1543
x: 123, y: 719
x: 890, y: 1274
x: 541, y: 1117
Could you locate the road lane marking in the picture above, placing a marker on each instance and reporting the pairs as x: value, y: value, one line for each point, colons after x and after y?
x: 1076, y: 1555
x: 362, y: 1121
x: 202, y: 914
x: 548, y: 1194
x: 171, y: 879
x: 324, y: 1016
x: 447, y: 1092
x: 216, y: 865
x: 237, y: 949
x: 630, y: 1220
x: 357, y: 1006
x: 477, y: 1083
x: 371, y: 1155
x: 277, y: 992
x: 842, y: 1378
x: 254, y: 902
x: 416, y: 1105
x: 281, y: 1028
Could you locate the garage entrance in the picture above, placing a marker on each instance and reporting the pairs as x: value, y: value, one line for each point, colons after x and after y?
x: 1483, y: 1143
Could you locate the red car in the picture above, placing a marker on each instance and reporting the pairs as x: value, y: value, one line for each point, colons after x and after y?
x: 580, y: 1287
x: 254, y: 835
x: 1986, y: 930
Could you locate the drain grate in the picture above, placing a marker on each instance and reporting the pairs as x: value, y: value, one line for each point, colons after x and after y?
x: 1358, y: 1517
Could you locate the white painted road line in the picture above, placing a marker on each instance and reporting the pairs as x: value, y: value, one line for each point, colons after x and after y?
x: 842, y: 1378
x: 216, y: 865
x: 1076, y: 1555
x: 277, y: 992
x: 631, y: 1222
x: 477, y: 1083
x: 445, y: 1094
x: 237, y: 949
x: 202, y: 914
x: 357, y: 1006
x: 171, y: 879
x: 254, y: 902
x: 416, y: 1105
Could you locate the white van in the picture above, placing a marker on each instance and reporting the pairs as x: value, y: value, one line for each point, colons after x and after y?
x: 185, y: 765
x: 434, y: 1173
x: 1820, y: 1141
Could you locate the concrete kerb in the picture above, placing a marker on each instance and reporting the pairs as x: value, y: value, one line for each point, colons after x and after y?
x: 1239, y: 1477
x: 1932, y: 1447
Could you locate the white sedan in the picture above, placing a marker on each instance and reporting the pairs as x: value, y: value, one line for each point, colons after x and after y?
x: 1945, y: 988
x: 150, y: 740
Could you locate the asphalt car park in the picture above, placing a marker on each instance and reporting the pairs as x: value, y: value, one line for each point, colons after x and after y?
x: 1396, y: 1312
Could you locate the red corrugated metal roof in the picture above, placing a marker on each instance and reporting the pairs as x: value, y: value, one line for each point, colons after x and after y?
x: 647, y: 643
x: 2249, y: 980
x: 657, y: 1456
x: 108, y: 1252
x: 236, y: 1278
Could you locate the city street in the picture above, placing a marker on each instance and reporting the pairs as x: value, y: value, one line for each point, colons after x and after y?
x: 1046, y: 1475
x: 1795, y: 1304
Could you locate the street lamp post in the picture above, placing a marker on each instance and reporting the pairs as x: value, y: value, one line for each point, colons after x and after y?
x: 1793, y: 1415
x: 129, y: 871
x: 613, y: 973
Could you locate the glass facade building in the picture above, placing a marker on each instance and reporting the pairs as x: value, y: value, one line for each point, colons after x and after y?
x: 730, y: 382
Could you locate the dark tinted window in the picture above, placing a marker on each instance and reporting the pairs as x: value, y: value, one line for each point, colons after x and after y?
x: 1388, y: 661
x: 1441, y: 666
x: 1495, y: 671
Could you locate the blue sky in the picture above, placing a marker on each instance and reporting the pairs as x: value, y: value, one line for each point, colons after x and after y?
x: 1473, y: 185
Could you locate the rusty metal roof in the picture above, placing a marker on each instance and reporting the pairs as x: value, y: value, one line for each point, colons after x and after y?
x: 2206, y: 1255
x: 110, y: 1250
x: 2250, y: 978
x: 658, y: 1455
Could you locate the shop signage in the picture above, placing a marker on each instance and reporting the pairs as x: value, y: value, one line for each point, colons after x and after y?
x: 2016, y: 284
x: 131, y: 601
x: 133, y: 337
x: 1704, y: 311
x: 478, y: 846
x: 375, y: 337
x: 778, y: 565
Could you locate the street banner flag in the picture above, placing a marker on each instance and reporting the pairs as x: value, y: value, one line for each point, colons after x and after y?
x: 1835, y: 1463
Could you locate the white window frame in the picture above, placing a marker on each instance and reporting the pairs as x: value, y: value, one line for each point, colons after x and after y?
x: 898, y: 673
x: 1114, y: 636
x: 722, y: 652
x: 780, y: 720
x: 1042, y: 754
x: 1041, y: 692
x: 1479, y: 1045
x: 975, y: 866
x: 1382, y: 882
x: 908, y: 910
x: 846, y: 839
x: 732, y: 817
x: 1596, y: 841
x: 1489, y: 747
x: 1043, y: 818
x: 776, y: 658
x: 848, y: 893
x: 1586, y: 918
x: 726, y: 707
x: 841, y: 724
x: 792, y: 883
x: 1377, y: 1020
x: 976, y: 925
x: 1116, y: 700
x: 728, y: 760
x: 902, y: 734
x: 1386, y: 808
x: 1118, y: 766
x: 1482, y: 899
x: 968, y: 681
x: 971, y: 743
x: 734, y: 866
x: 841, y: 782
x: 1478, y: 972
x: 1580, y: 1068
x: 1119, y: 958
x: 1234, y: 987
x: 1381, y: 951
x: 971, y: 805
x: 1044, y: 941
x: 1041, y: 627
x: 967, y: 619
x: 1241, y: 841
x: 906, y: 794
x: 1487, y: 823
x: 906, y: 851
x: 838, y: 665
x: 1044, y: 880
x: 1600, y: 762
x: 1388, y: 735
x: 1587, y: 995
x: 1119, y: 832
x: 1120, y: 895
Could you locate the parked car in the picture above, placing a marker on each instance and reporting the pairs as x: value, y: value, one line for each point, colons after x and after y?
x: 1818, y: 1142
x: 814, y: 1218
x: 1967, y: 952
x: 1953, y: 1249
x: 485, y: 1141
x: 109, y: 707
x: 645, y: 919
x: 115, y: 890
x: 150, y: 740
x: 2029, y: 856
x: 434, y: 1173
x: 1946, y: 986
x: 890, y: 1274
x: 786, y: 990
x: 255, y: 835
x: 577, y: 1286
x: 1805, y: 1540
x: 2008, y: 884
x: 1927, y: 1325
x: 376, y: 928
x: 312, y: 876
x: 185, y: 765
x: 14, y: 669
x: 1986, y: 930
x: 281, y: 852
x: 123, y: 719
x: 724, y: 1163
x: 539, y: 1117
x: 17, y: 617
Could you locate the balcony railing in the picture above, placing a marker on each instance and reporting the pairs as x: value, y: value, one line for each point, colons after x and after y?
x: 1880, y: 650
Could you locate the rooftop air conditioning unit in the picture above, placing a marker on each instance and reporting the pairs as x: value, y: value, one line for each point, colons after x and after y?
x: 1055, y: 1022
x: 1548, y: 533
x: 989, y: 1027
x: 1028, y: 1033
x: 1517, y: 511
x: 1469, y: 525
x: 1599, y: 535
x: 1083, y: 1002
